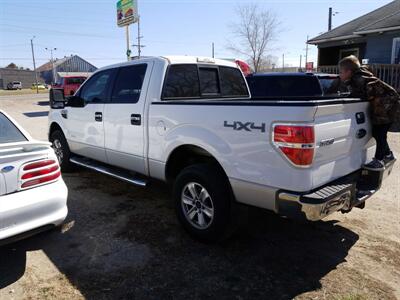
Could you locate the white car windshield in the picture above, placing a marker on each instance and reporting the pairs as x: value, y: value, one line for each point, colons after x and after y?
x: 9, y: 133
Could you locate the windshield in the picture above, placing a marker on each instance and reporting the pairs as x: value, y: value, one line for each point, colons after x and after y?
x: 9, y: 133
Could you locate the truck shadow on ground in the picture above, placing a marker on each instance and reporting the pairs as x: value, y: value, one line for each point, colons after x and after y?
x: 124, y: 242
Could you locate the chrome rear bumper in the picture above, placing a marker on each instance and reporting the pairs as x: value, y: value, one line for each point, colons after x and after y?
x: 341, y: 195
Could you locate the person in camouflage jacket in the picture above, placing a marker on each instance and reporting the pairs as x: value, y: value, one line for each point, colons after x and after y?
x: 384, y: 105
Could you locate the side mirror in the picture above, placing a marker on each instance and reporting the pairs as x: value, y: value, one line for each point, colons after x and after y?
x: 57, y: 99
x: 75, y: 101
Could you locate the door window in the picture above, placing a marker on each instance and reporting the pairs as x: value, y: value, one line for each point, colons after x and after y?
x: 182, y: 81
x: 128, y: 84
x: 96, y: 89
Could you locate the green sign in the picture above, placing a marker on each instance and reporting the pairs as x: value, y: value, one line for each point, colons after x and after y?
x: 126, y: 12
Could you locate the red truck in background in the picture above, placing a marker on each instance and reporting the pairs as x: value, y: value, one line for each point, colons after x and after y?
x: 70, y: 84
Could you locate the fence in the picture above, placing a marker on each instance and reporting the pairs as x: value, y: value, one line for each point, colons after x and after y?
x: 388, y: 73
x: 281, y: 70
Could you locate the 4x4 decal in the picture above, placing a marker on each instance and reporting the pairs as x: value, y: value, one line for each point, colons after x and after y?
x: 246, y: 126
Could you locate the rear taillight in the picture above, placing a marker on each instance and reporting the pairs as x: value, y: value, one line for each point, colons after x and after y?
x: 296, y: 142
x: 39, y: 172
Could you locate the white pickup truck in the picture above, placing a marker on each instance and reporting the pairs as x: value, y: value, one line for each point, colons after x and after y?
x: 191, y: 122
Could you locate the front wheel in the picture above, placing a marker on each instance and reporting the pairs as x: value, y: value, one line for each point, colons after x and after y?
x: 61, y: 148
x: 204, y: 203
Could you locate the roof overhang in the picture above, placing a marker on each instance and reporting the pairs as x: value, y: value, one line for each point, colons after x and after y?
x: 378, y: 30
x: 338, y: 38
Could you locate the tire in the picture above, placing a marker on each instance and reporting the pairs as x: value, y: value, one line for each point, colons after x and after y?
x: 207, y: 218
x: 61, y: 148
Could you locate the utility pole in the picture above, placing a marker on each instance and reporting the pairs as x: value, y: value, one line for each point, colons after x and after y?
x: 139, y: 37
x: 128, y: 51
x: 283, y: 62
x: 307, y: 51
x: 301, y: 56
x: 34, y: 65
x: 52, y: 62
x: 213, y: 50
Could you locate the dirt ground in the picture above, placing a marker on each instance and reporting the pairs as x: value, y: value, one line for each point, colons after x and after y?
x: 124, y: 242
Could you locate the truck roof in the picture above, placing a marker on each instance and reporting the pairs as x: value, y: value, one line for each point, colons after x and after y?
x: 183, y: 59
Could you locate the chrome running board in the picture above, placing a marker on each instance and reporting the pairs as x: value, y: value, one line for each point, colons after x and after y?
x: 107, y: 170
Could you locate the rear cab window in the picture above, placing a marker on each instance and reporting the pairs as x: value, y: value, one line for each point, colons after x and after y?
x: 193, y: 81
x: 9, y: 133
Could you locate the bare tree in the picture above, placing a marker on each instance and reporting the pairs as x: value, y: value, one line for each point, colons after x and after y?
x: 12, y: 66
x: 254, y: 33
x: 267, y: 63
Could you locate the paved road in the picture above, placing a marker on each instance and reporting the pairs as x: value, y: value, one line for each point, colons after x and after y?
x: 30, y: 111
x: 121, y: 241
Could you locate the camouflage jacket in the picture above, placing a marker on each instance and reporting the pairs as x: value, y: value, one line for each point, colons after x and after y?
x: 385, y: 101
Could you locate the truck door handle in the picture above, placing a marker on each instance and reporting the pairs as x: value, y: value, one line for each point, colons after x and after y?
x: 361, y: 133
x: 136, y: 119
x: 98, y: 116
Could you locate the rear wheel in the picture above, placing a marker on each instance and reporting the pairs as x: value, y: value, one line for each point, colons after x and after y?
x: 61, y: 148
x: 204, y: 203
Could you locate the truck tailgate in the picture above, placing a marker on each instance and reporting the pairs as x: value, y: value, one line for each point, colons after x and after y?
x: 343, y: 140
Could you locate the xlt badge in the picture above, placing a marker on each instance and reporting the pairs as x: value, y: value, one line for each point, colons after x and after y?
x: 326, y: 142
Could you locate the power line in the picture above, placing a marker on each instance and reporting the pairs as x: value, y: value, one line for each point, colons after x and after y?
x: 46, y: 59
x: 57, y: 31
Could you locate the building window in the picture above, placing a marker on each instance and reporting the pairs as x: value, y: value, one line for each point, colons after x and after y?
x: 396, y: 51
x: 347, y: 52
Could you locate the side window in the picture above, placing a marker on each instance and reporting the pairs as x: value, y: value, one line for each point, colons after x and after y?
x: 95, y: 90
x: 209, y: 82
x: 232, y: 83
x: 182, y: 81
x: 128, y: 84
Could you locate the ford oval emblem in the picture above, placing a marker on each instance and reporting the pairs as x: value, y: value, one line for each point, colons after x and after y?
x: 7, y: 169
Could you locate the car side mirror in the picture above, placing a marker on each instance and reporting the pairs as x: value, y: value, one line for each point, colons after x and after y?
x: 57, y: 99
x: 75, y: 101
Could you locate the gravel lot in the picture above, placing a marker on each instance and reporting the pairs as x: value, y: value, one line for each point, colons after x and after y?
x: 120, y: 241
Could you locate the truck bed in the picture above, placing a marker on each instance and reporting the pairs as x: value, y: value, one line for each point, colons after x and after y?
x: 247, y: 153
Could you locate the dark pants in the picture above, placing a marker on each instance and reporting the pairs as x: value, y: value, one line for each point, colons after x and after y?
x: 379, y: 132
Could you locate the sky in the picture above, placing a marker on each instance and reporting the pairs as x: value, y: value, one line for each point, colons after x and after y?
x: 89, y: 29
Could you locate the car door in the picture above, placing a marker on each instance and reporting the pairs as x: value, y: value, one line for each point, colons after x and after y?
x: 85, y: 124
x: 124, y: 122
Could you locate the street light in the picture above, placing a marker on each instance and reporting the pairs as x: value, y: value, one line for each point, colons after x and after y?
x: 52, y: 62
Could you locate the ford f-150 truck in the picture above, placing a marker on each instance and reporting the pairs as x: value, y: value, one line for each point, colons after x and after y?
x: 191, y: 122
